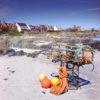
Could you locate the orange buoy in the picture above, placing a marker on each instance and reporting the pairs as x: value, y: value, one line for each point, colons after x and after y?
x: 46, y: 83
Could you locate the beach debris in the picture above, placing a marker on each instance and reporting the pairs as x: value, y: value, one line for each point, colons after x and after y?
x: 57, y: 85
x: 12, y: 71
x: 62, y: 85
x: 8, y: 67
x: 46, y: 83
x: 78, y: 81
x: 70, y: 60
x: 5, y: 79
x: 54, y: 80
x: 41, y: 77
x: 78, y: 55
x: 55, y: 74
x: 43, y: 92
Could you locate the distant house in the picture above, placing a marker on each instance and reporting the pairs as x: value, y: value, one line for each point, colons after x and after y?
x: 43, y: 28
x: 82, y: 29
x: 74, y: 28
x: 12, y: 27
x: 22, y: 27
x: 34, y: 29
x: 56, y: 28
x: 53, y: 28
x: 38, y: 29
x: 6, y: 27
x: 50, y: 28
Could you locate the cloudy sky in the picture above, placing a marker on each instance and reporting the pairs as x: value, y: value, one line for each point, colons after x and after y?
x: 63, y: 13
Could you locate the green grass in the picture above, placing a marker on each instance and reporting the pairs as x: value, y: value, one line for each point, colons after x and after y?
x: 53, y: 33
x: 14, y: 33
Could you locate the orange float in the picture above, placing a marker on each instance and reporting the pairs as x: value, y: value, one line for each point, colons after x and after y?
x: 46, y: 83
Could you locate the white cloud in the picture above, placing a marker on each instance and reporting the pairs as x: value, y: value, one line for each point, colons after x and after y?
x: 93, y: 9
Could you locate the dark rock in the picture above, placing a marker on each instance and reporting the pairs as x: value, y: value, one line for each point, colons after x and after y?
x: 8, y: 67
x: 20, y: 53
x: 12, y: 71
x: 5, y: 79
x: 11, y: 53
x: 29, y: 55
x: 1, y: 52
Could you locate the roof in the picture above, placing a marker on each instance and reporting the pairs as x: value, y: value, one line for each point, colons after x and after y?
x: 22, y: 24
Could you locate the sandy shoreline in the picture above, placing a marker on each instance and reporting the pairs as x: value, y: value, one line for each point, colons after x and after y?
x: 19, y: 79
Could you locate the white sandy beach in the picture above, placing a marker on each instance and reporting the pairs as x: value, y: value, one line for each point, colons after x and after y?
x: 19, y: 79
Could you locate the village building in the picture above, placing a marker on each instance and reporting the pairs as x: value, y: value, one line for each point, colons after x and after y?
x: 43, y: 28
x: 75, y: 28
x: 22, y: 27
x: 38, y: 29
x: 12, y: 27
x: 4, y: 27
x: 53, y: 28
x: 49, y: 28
x: 34, y: 29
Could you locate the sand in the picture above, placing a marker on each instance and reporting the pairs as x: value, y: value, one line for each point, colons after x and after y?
x: 19, y: 79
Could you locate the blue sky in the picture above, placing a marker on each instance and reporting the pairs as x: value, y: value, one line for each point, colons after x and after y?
x: 64, y: 13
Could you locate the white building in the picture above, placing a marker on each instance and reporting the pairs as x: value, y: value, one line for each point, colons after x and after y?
x: 22, y: 27
x: 55, y: 28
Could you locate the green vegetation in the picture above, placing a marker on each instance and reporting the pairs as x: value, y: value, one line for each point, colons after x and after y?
x: 54, y: 33
x: 14, y: 33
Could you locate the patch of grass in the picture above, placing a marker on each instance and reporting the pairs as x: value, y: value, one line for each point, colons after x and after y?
x: 54, y: 33
x: 14, y: 33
